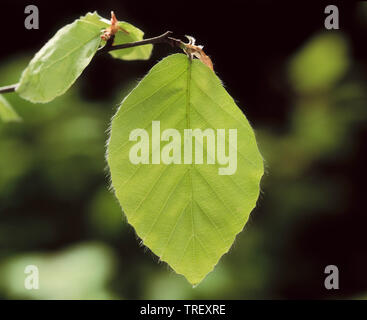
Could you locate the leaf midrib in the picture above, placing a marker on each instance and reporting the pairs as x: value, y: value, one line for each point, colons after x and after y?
x: 188, y: 126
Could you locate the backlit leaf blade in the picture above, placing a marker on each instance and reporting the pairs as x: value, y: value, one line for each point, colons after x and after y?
x: 7, y: 113
x: 188, y: 215
x: 135, y: 53
x: 60, y: 61
x: 121, y: 37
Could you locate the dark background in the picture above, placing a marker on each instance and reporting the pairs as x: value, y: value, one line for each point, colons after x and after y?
x: 312, y: 209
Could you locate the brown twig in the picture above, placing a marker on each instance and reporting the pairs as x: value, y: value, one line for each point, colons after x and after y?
x: 163, y: 38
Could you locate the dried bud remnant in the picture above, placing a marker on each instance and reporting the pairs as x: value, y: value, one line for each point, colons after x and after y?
x: 197, y: 51
x: 112, y: 29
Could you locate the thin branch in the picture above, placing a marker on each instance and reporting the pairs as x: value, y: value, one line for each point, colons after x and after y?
x: 163, y: 38
x: 7, y: 89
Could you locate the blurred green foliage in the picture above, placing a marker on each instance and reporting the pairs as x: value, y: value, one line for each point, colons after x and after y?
x: 56, y: 210
x: 7, y: 113
x: 80, y: 272
x: 320, y: 63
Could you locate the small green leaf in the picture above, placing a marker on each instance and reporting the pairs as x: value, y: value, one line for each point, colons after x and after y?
x: 187, y: 214
x: 7, y: 113
x: 135, y: 34
x: 60, y: 61
x: 63, y: 58
x: 136, y: 53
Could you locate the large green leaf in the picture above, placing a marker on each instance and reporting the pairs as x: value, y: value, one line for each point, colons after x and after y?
x: 60, y: 61
x: 7, y: 113
x: 187, y: 214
